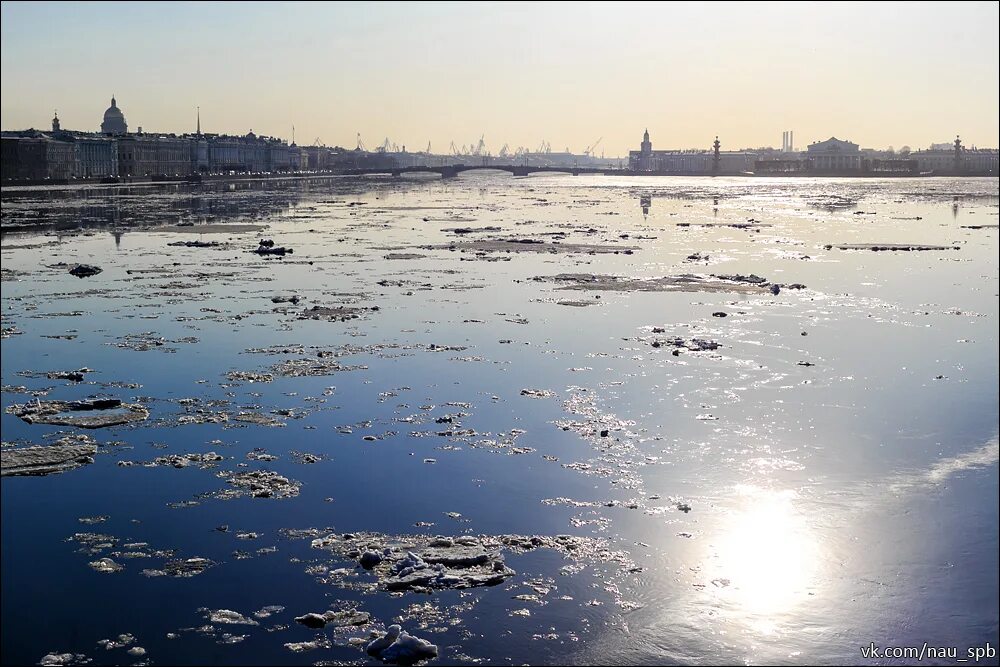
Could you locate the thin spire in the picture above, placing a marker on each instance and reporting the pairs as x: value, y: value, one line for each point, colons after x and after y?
x: 199, y: 121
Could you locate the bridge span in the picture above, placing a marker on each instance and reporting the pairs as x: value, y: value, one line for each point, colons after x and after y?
x: 452, y: 170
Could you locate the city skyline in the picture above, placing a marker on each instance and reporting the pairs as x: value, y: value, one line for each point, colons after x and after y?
x: 57, y: 123
x: 63, y: 155
x: 544, y: 75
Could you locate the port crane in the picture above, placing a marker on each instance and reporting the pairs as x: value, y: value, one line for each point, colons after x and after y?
x: 361, y: 144
x: 589, y: 150
x: 480, y: 148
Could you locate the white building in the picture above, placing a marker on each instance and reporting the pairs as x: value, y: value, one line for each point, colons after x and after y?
x: 834, y: 155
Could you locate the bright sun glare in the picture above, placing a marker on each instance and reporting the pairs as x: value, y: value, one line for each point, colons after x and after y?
x: 767, y: 558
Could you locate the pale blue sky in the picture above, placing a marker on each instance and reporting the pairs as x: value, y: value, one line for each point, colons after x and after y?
x: 568, y: 73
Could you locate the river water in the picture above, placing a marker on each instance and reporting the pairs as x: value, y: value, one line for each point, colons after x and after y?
x: 764, y: 472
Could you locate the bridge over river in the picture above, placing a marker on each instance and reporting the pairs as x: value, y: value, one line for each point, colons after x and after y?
x: 452, y: 170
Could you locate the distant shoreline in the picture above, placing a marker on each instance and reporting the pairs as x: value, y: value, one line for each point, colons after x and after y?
x: 224, y: 178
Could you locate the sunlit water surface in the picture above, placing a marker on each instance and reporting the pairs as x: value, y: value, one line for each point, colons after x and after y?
x: 837, y: 452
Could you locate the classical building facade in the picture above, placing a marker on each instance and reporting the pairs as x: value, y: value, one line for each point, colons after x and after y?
x: 278, y: 156
x: 141, y: 155
x: 244, y: 153
x: 316, y: 158
x: 96, y: 156
x: 31, y: 155
x: 253, y: 153
x: 8, y: 158
x: 980, y: 161
x: 834, y: 155
x: 60, y: 159
x: 199, y: 154
x: 25, y: 156
x: 956, y: 159
x: 297, y: 158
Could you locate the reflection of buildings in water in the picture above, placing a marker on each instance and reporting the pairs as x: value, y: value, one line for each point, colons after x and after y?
x: 646, y: 202
x: 954, y: 208
x: 121, y: 209
x: 831, y: 203
x: 127, y: 207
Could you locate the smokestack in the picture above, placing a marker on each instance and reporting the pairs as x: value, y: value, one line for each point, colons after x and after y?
x: 791, y: 140
x: 784, y: 141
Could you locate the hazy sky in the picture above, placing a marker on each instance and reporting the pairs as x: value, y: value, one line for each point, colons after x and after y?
x: 568, y: 73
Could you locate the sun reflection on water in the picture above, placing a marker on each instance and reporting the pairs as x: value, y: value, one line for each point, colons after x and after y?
x: 766, y: 559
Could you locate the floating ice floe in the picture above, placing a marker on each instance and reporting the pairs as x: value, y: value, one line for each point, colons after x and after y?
x: 398, y: 646
x: 66, y: 454
x: 110, y: 412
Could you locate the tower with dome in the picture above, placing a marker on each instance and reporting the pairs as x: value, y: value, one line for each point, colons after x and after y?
x: 114, y: 120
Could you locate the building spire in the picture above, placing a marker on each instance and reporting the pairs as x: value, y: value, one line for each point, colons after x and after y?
x: 199, y: 121
x: 113, y: 103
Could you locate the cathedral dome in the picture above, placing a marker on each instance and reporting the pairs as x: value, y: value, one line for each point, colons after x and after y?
x: 114, y: 120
